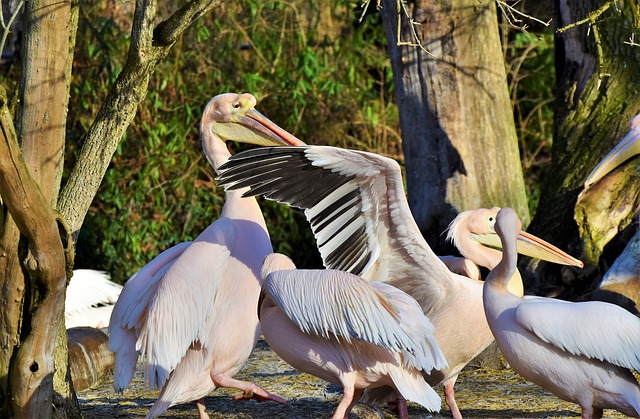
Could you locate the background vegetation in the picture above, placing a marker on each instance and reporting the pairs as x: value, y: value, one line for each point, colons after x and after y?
x: 314, y: 69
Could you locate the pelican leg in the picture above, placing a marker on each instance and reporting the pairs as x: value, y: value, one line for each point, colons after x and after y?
x: 249, y: 390
x: 591, y: 412
x: 350, y: 397
x: 403, y: 411
x: 202, y: 409
x: 450, y: 398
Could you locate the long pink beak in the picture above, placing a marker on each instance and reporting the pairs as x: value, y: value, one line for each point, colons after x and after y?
x: 529, y: 245
x: 255, y: 120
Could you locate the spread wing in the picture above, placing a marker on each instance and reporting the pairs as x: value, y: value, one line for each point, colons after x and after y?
x: 355, y: 204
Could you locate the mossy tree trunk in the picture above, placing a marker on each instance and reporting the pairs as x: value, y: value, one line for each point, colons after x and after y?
x: 458, y: 132
x: 598, y: 92
x: 35, y: 248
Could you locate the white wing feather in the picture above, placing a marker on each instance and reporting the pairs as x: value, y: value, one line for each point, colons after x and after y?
x: 129, y: 313
x: 427, y: 355
x: 356, y: 206
x: 180, y: 308
x: 335, y: 303
x: 593, y: 329
x: 89, y: 288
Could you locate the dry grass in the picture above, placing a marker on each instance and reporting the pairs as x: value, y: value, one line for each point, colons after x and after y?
x: 481, y: 393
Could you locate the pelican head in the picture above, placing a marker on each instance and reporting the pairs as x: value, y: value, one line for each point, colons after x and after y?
x: 628, y: 147
x: 233, y: 117
x: 480, y: 226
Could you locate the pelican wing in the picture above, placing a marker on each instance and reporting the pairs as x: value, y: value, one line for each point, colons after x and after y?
x: 89, y: 288
x: 335, y: 303
x: 427, y: 355
x: 128, y: 314
x: 183, y: 301
x: 355, y: 204
x: 593, y: 329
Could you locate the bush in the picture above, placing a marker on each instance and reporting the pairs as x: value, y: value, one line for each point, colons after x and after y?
x: 314, y: 71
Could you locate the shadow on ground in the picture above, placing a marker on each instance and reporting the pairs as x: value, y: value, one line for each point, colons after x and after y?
x: 481, y: 393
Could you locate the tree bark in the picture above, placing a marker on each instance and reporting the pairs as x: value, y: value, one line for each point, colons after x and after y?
x: 458, y: 132
x: 598, y: 92
x: 33, y: 291
x: 32, y: 366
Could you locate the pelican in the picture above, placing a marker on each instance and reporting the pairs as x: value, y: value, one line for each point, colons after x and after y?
x: 621, y: 283
x: 350, y: 332
x: 472, y: 233
x: 90, y: 298
x: 191, y: 312
x: 356, y: 206
x: 626, y: 148
x: 581, y: 352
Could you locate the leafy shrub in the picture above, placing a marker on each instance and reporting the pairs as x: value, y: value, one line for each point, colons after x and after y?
x: 314, y: 71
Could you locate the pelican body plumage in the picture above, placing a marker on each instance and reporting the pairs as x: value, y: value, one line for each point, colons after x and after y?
x: 191, y: 312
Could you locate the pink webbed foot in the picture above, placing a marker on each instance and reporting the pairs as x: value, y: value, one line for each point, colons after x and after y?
x: 249, y: 390
x: 259, y: 395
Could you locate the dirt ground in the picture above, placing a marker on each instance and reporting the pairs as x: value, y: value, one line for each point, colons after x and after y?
x: 481, y: 393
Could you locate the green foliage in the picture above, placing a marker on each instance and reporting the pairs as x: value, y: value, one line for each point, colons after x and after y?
x: 314, y: 71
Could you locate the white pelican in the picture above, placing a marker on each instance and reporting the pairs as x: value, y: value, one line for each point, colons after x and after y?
x: 621, y: 283
x: 191, y: 312
x: 626, y: 148
x: 357, y: 209
x: 473, y: 235
x: 581, y: 352
x: 90, y: 298
x: 348, y: 331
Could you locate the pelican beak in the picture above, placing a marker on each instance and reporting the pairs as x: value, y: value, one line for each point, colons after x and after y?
x: 265, y: 132
x: 628, y: 147
x: 530, y: 245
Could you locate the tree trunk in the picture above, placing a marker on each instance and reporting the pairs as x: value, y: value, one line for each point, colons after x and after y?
x: 459, y: 137
x: 598, y: 92
x: 34, y: 354
x: 31, y: 367
x: 40, y: 127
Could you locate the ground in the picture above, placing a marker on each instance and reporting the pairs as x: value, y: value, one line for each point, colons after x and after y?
x: 481, y: 393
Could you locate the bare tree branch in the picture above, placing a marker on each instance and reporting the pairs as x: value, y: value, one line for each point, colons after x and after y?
x: 121, y: 104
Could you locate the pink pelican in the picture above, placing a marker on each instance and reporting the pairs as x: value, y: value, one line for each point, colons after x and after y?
x: 581, y: 352
x: 191, y: 312
x: 623, y: 278
x: 348, y: 331
x: 358, y: 212
x: 473, y: 235
x: 90, y: 298
x: 626, y: 148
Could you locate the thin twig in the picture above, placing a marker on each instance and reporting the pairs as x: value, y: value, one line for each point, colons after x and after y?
x: 591, y: 18
x: 5, y: 28
x: 632, y: 41
x: 510, y: 12
x: 401, y: 6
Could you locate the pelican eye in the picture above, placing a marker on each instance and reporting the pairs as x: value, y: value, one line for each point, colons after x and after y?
x: 236, y: 105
